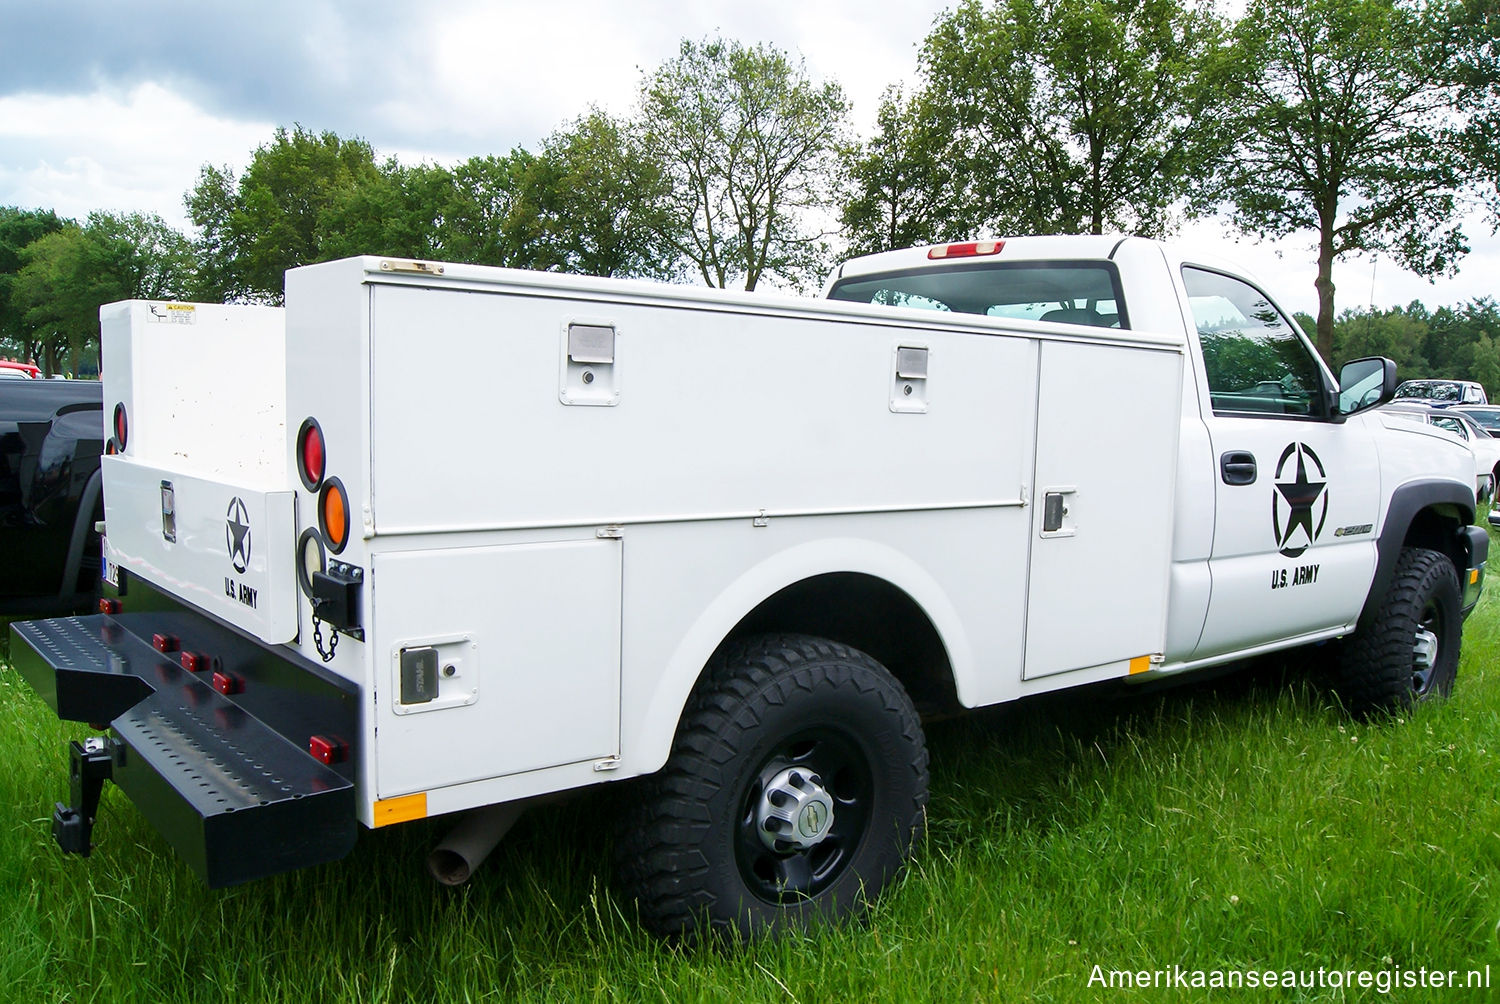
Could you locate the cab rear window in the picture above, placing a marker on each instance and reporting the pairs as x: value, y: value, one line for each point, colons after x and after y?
x: 1067, y: 292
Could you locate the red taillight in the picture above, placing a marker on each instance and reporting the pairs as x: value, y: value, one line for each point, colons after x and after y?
x: 164, y: 642
x: 333, y: 515
x: 193, y: 661
x: 971, y: 249
x: 122, y: 428
x: 109, y: 606
x: 228, y: 683
x: 326, y: 751
x: 311, y: 454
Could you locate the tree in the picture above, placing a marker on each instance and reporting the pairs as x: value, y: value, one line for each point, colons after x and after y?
x: 600, y: 203
x: 398, y: 212
x: 69, y: 273
x: 483, y: 220
x: 749, y: 145
x: 1350, y: 130
x: 256, y: 227
x: 1478, y: 26
x: 1072, y: 116
x: 899, y: 194
x: 18, y: 228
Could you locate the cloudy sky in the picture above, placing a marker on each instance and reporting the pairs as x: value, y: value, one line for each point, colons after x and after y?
x: 116, y: 105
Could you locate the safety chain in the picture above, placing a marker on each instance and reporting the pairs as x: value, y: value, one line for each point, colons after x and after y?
x: 333, y: 641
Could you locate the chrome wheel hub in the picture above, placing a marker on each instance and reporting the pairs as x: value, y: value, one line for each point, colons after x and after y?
x: 1424, y: 657
x: 795, y: 811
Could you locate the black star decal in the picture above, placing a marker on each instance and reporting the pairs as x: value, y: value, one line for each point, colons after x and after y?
x: 239, y: 535
x: 1300, y: 496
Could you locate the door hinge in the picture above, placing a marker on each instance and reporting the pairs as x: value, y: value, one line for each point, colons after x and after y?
x: 607, y: 764
x: 612, y: 532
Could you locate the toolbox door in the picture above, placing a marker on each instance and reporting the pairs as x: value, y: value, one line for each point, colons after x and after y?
x: 1101, y: 535
x: 225, y: 548
x: 494, y: 660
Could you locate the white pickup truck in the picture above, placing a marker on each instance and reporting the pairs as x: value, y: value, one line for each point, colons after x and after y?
x: 439, y: 538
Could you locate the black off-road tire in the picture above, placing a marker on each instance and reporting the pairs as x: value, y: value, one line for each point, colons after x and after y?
x: 1387, y: 665
x: 690, y: 849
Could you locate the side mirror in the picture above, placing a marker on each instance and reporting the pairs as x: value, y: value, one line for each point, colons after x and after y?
x: 1365, y: 383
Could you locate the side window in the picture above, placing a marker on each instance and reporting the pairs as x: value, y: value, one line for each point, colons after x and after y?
x: 1453, y: 425
x: 1254, y: 361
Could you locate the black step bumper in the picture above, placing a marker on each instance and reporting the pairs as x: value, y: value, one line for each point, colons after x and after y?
x: 228, y: 781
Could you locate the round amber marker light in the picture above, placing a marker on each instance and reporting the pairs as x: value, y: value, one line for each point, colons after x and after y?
x: 333, y: 513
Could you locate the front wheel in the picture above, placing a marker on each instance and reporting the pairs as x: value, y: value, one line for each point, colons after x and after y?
x: 1406, y: 647
x: 794, y: 790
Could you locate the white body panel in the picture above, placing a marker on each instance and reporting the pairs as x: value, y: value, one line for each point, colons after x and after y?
x: 226, y: 553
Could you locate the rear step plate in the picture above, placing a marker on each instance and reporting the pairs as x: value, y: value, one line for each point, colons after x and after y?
x: 234, y: 798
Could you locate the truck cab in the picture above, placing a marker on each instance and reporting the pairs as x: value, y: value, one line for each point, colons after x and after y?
x: 1293, y: 497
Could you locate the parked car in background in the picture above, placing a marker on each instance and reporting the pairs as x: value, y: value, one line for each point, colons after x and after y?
x: 1486, y: 448
x: 1440, y: 393
x: 1486, y: 416
x: 10, y: 368
x: 51, y: 435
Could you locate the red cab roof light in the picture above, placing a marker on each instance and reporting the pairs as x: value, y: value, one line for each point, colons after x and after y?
x: 969, y: 249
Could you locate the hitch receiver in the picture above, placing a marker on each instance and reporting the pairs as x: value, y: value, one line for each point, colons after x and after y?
x: 90, y: 764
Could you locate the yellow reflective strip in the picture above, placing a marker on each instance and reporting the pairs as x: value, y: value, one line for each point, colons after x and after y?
x: 401, y: 810
x: 1140, y: 664
x: 1473, y: 576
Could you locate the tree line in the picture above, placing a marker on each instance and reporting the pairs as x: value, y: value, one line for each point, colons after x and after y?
x: 1371, y: 125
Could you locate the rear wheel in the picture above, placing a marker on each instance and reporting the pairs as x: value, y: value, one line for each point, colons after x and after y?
x: 794, y: 790
x: 1406, y: 648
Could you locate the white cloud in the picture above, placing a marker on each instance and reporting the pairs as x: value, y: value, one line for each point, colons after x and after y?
x: 136, y: 152
x: 464, y: 78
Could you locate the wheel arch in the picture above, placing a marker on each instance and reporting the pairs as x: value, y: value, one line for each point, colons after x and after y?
x: 1430, y: 514
x: 869, y: 596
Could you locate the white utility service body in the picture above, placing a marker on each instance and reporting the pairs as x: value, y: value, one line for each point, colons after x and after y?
x: 559, y: 497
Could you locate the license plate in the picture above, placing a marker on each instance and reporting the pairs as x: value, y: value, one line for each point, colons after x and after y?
x: 108, y: 570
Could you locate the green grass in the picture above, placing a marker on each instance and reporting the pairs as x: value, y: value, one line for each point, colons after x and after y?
x: 1242, y: 824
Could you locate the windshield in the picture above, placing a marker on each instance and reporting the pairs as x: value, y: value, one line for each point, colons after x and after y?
x: 1486, y: 418
x: 1065, y: 292
x: 1430, y: 390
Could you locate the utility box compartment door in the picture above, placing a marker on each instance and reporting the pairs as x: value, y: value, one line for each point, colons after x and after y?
x: 1101, y: 541
x: 224, y: 548
x: 494, y: 660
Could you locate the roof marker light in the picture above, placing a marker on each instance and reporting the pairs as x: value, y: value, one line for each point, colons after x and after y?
x: 970, y: 249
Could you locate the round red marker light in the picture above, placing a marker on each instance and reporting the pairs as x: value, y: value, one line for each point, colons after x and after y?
x: 311, y: 454
x: 122, y: 427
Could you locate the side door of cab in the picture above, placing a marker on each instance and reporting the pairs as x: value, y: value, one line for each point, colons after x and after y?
x: 1296, y: 489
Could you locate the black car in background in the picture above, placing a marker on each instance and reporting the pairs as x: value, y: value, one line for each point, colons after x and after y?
x: 51, y: 435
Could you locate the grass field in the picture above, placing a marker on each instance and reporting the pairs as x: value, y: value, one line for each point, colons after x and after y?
x: 1244, y: 824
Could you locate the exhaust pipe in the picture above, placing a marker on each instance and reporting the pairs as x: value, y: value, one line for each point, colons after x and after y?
x: 470, y: 842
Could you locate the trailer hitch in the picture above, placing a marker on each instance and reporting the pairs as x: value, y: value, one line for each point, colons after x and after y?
x: 90, y: 764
